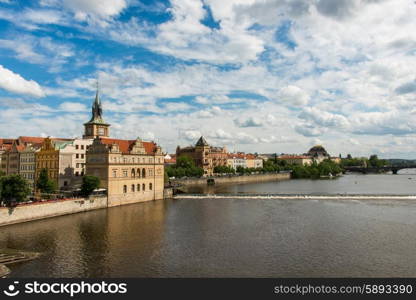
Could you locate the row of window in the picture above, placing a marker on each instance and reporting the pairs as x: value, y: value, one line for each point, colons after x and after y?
x: 138, y: 160
x: 27, y: 167
x: 28, y: 176
x: 136, y: 188
x: 23, y: 159
x: 135, y: 173
x: 79, y: 156
x: 47, y: 164
x: 81, y: 146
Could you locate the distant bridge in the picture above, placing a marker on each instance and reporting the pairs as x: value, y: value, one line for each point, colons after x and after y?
x: 393, y: 169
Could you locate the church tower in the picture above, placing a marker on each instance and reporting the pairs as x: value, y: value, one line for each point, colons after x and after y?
x: 96, y: 127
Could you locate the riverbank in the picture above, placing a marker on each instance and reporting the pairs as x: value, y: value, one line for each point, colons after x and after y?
x: 233, y: 179
x: 41, y: 210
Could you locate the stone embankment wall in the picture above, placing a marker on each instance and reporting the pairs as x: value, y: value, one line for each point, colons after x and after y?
x: 234, y: 179
x: 41, y: 210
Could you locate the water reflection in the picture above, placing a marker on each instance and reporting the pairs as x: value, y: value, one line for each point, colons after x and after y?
x: 208, y: 237
x: 386, y: 184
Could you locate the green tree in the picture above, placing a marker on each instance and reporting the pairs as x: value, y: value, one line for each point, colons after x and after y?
x: 89, y: 184
x: 166, y: 177
x: 224, y: 169
x: 185, y: 161
x: 44, y: 184
x: 185, y: 166
x: 374, y: 161
x: 13, y: 188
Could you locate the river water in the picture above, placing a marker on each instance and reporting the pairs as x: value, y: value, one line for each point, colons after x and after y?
x: 234, y: 236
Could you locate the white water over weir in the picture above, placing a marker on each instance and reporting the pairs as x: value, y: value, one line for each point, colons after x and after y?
x: 302, y: 197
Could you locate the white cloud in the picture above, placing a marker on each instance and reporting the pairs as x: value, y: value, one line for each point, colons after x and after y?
x: 39, y: 50
x: 15, y: 83
x: 85, y: 9
x: 293, y: 95
x: 73, y: 107
x: 250, y: 122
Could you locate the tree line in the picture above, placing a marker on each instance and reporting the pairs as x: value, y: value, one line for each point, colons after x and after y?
x: 185, y: 167
x: 372, y: 162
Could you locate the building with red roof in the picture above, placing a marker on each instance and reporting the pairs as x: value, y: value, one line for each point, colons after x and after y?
x: 130, y: 170
x: 205, y: 156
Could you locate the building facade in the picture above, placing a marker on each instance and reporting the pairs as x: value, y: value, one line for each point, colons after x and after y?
x: 205, y: 156
x: 64, y: 160
x: 28, y: 163
x: 296, y: 159
x: 236, y: 160
x: 5, y: 146
x: 254, y: 161
x: 130, y: 170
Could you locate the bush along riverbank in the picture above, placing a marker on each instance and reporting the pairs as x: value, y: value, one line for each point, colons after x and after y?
x: 185, y: 167
x: 325, y: 169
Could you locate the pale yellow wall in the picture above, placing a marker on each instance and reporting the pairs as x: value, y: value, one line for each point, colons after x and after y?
x: 104, y: 165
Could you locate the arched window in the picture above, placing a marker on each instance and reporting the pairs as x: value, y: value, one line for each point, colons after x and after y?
x: 133, y: 173
x: 144, y: 173
x: 150, y: 186
x: 143, y: 187
x: 124, y: 189
x: 138, y: 172
x: 138, y: 187
x: 132, y: 188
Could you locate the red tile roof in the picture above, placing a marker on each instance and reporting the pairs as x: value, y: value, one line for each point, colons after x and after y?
x: 30, y: 140
x: 289, y: 156
x: 6, y: 144
x: 236, y: 155
x: 126, y: 145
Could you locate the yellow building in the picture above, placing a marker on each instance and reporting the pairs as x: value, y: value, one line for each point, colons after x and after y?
x: 254, y: 161
x: 64, y: 159
x: 48, y: 158
x: 130, y: 170
x: 296, y: 159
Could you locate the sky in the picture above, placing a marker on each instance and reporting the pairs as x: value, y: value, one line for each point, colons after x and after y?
x: 266, y: 76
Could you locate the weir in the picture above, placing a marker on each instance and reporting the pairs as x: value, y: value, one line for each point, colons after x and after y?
x: 294, y: 197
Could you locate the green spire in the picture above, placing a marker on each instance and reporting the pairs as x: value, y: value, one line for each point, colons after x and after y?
x: 97, y: 111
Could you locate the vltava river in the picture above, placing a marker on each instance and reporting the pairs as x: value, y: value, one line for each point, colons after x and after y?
x: 234, y: 237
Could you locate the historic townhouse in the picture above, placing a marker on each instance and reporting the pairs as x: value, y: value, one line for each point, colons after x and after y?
x: 28, y: 163
x: 130, y: 170
x: 243, y: 160
x: 64, y: 159
x: 253, y: 161
x: 10, y: 158
x: 236, y: 160
x: 5, y: 146
x: 205, y: 156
